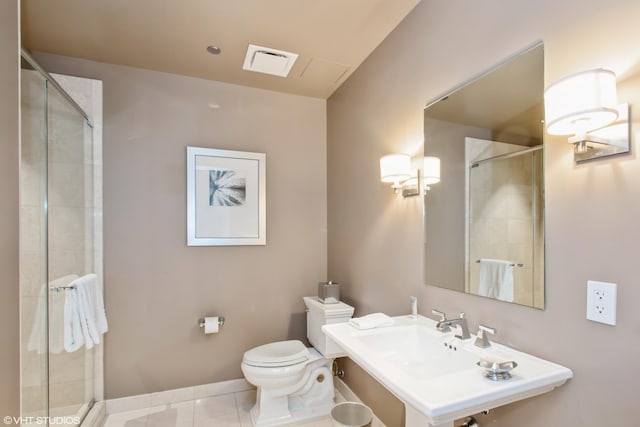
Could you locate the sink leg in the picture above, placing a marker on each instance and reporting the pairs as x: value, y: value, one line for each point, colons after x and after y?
x: 414, y: 418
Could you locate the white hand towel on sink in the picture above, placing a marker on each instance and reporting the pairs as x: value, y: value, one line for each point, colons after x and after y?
x: 495, y: 279
x: 370, y: 321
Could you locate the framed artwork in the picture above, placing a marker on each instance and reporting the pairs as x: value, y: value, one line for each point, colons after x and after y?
x: 226, y: 197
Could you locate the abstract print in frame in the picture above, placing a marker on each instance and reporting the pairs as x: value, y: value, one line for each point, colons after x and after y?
x: 226, y: 197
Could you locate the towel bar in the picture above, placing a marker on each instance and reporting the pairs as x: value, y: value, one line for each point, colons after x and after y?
x: 62, y: 288
x: 512, y: 265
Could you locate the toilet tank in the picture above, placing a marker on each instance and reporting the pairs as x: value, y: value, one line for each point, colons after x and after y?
x: 319, y: 314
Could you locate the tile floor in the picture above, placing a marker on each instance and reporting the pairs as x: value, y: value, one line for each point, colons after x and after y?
x: 227, y: 410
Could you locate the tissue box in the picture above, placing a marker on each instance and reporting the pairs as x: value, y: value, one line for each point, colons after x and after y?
x: 329, y: 292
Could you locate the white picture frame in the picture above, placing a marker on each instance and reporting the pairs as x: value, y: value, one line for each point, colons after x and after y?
x: 226, y: 197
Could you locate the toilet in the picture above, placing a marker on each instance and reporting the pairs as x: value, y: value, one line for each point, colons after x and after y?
x: 294, y: 382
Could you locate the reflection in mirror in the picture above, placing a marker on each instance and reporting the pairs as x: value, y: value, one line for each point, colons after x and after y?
x: 484, y: 221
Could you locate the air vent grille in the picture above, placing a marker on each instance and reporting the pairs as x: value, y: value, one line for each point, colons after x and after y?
x: 269, y: 61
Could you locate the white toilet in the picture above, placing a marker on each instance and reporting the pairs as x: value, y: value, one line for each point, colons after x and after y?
x: 295, y: 382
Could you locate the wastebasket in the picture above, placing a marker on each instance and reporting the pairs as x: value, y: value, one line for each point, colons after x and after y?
x: 351, y: 414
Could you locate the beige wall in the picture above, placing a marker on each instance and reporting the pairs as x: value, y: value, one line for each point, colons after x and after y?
x: 156, y: 287
x: 375, y: 238
x: 9, y: 209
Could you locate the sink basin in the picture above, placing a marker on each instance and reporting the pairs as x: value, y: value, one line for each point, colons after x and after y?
x: 437, y: 376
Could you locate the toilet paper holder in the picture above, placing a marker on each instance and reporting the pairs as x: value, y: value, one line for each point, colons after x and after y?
x: 220, y: 321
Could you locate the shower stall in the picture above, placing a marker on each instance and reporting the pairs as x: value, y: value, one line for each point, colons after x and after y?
x: 60, y: 238
x: 505, y: 215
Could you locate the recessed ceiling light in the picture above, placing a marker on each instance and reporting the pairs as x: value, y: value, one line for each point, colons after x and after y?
x: 213, y: 49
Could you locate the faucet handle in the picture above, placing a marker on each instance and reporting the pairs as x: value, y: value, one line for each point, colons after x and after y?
x: 441, y: 326
x: 442, y: 314
x: 482, y: 340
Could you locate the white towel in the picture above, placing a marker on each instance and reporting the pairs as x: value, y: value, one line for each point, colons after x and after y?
x: 370, y: 321
x: 495, y: 279
x: 73, y: 337
x: 85, y: 317
x: 55, y: 322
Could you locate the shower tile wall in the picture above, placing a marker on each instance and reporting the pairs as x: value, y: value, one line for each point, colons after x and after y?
x: 503, y: 222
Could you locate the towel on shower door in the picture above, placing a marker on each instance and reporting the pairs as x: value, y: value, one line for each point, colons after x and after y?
x: 51, y: 303
x: 495, y: 279
x: 73, y: 336
x: 85, y: 317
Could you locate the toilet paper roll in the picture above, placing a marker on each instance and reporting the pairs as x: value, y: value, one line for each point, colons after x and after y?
x: 211, y: 325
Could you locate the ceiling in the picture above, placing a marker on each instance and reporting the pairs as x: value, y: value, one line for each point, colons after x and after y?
x: 331, y: 37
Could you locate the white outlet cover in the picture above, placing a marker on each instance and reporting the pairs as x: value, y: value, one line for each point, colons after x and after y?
x: 601, y: 302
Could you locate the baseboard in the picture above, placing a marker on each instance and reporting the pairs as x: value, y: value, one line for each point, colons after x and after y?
x: 148, y: 400
x: 95, y: 416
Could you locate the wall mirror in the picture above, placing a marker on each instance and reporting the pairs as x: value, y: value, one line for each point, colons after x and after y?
x: 484, y: 220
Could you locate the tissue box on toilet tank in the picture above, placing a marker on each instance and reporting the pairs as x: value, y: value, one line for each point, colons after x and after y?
x: 329, y: 292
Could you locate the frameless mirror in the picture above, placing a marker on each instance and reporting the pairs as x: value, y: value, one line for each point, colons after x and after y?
x: 484, y: 220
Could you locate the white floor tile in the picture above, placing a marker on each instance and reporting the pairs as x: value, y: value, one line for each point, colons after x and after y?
x: 228, y: 420
x: 324, y: 422
x: 216, y: 411
x: 137, y: 418
x: 172, y: 415
x: 228, y: 410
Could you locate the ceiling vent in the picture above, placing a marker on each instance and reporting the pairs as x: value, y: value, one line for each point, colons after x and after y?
x: 269, y: 61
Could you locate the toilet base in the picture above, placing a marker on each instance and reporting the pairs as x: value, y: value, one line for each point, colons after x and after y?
x: 295, y: 415
x: 314, y: 399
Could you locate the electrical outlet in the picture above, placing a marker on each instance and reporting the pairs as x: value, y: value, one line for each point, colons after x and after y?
x: 601, y: 302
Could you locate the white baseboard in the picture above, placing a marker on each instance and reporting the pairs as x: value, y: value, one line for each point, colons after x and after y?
x: 96, y: 415
x: 148, y: 400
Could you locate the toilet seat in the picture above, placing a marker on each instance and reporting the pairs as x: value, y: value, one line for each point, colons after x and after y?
x: 277, y: 354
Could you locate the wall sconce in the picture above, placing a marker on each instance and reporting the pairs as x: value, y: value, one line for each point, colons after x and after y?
x: 396, y: 169
x: 586, y: 105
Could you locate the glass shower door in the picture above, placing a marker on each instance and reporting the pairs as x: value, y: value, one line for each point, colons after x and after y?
x: 33, y: 245
x: 58, y: 235
x: 70, y: 249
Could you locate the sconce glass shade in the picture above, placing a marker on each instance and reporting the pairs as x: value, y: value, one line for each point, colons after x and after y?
x: 581, y: 102
x: 395, y: 168
x: 431, y: 170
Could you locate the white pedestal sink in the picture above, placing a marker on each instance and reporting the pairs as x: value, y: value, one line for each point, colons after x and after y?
x: 436, y: 375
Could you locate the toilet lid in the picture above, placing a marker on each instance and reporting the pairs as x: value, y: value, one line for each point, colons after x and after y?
x: 281, y: 353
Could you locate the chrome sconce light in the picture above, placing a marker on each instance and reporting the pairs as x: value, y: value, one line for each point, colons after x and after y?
x: 586, y: 105
x: 396, y: 169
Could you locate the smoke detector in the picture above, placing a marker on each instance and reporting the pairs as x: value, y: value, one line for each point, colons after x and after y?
x: 269, y: 61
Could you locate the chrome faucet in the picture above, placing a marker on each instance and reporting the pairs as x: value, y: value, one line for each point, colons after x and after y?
x: 414, y: 307
x: 461, y: 321
x: 482, y: 340
x: 442, y: 326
